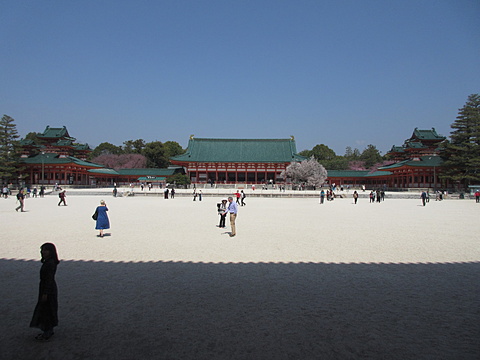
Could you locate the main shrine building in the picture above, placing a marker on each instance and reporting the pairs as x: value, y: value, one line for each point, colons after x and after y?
x: 251, y: 161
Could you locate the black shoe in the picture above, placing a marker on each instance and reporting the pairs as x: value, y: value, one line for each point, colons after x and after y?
x: 43, y: 337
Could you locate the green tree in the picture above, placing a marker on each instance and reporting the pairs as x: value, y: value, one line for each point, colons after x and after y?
x: 338, y: 163
x: 356, y: 154
x: 323, y: 152
x: 306, y: 153
x: 352, y: 155
x: 348, y: 152
x: 9, y: 149
x: 134, y: 146
x: 172, y: 148
x: 34, y: 137
x: 179, y: 179
x: 105, y: 148
x: 462, y: 153
x: 155, y: 154
x: 371, y: 156
x: 319, y: 152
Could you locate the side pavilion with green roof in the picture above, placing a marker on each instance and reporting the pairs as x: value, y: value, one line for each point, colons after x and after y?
x: 50, y: 169
x: 249, y: 161
x: 421, y: 172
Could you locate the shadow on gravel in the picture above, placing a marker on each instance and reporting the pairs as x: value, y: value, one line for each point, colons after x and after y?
x: 175, y: 310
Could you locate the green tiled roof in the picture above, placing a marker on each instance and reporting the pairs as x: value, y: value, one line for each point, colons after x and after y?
x: 347, y: 173
x: 104, y: 171
x: 147, y: 172
x: 64, y: 143
x: 397, y: 149
x: 240, y: 150
x: 151, y: 178
x: 50, y: 158
x: 54, y: 133
x: 355, y: 173
x: 82, y: 147
x: 144, y: 174
x: 26, y: 142
x: 378, y: 173
x: 423, y: 161
x: 427, y: 135
x: 415, y: 145
x: 417, y: 139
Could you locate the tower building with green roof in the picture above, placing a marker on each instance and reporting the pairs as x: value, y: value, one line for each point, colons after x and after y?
x: 417, y: 161
x: 421, y: 143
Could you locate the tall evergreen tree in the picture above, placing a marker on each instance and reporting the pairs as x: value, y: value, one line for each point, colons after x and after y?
x: 462, y: 153
x: 9, y: 150
x: 371, y: 156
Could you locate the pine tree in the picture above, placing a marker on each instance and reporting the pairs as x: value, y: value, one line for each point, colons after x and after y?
x: 462, y: 153
x: 9, y: 149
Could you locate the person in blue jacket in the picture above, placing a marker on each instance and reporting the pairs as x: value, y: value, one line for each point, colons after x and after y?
x: 102, y: 218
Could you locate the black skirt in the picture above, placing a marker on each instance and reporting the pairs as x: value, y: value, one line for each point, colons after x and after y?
x: 45, y: 315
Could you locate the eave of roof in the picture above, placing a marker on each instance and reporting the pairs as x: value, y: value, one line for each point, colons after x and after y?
x: 152, y: 178
x: 50, y: 158
x: 147, y: 172
x: 355, y: 173
x: 104, y: 171
x: 423, y: 161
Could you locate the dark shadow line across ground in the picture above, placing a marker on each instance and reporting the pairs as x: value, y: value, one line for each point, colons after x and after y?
x: 188, y: 310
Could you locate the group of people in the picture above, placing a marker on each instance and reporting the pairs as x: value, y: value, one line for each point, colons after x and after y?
x: 228, y: 207
x: 168, y: 192
x: 329, y: 194
x: 378, y: 196
x: 195, y: 194
x: 438, y: 195
x: 240, y: 196
x: 24, y: 193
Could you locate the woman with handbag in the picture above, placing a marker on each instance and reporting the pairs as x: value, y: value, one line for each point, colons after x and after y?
x: 103, y: 222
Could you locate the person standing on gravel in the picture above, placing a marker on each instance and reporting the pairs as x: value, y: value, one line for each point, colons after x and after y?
x: 232, y: 208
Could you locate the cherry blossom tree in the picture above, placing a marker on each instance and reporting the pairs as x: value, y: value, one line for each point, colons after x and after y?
x: 308, y: 171
x: 122, y: 161
x: 379, y: 165
x: 357, y: 165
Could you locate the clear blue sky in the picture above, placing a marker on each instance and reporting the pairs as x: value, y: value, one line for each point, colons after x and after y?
x: 341, y: 73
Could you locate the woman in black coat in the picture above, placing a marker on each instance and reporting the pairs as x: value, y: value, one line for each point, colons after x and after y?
x: 45, y: 315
